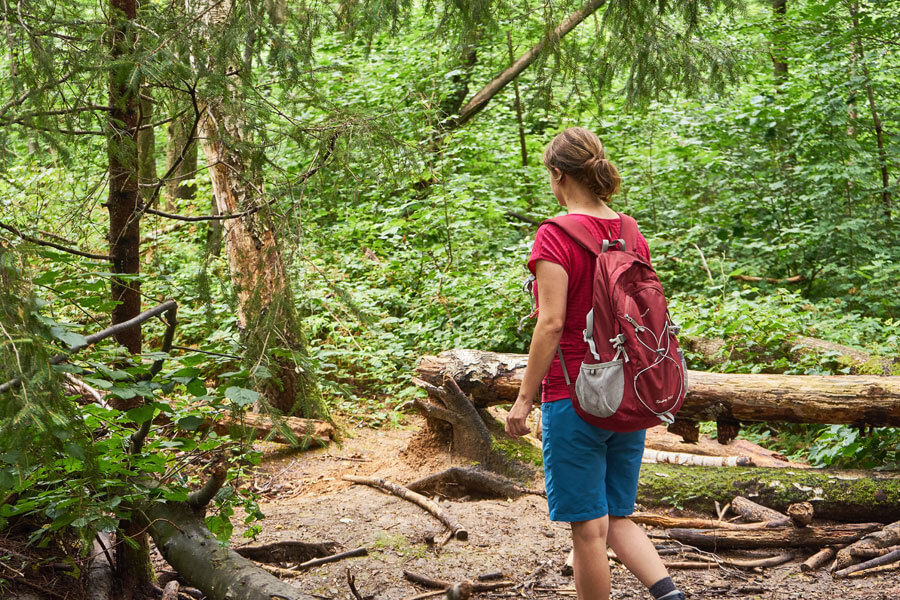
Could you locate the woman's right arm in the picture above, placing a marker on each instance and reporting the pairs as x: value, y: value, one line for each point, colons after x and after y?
x: 552, y: 285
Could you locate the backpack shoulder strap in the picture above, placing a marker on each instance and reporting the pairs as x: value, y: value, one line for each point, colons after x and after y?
x: 578, y: 232
x: 629, y: 232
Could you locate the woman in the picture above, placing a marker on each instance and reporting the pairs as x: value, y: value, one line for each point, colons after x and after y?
x: 591, y: 474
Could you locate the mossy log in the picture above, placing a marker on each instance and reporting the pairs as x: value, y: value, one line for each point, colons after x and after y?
x: 493, y: 378
x: 216, y: 570
x: 854, y: 496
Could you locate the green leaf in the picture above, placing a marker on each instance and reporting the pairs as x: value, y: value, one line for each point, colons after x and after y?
x: 141, y: 413
x: 189, y: 423
x: 241, y: 396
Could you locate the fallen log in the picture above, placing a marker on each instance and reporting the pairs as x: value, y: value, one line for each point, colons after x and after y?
x: 836, y: 495
x: 667, y: 522
x: 888, y: 536
x: 778, y: 537
x: 286, y: 430
x: 418, y: 499
x: 218, y: 571
x: 493, y: 378
x: 458, y: 482
x: 661, y: 438
x: 890, y: 557
x: 752, y: 511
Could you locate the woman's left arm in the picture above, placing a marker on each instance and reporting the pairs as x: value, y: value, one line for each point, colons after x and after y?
x: 552, y: 285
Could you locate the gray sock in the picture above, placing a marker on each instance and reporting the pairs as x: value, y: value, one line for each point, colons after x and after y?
x: 665, y: 589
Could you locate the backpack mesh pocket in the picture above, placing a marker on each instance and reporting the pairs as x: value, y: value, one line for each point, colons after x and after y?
x: 600, y: 387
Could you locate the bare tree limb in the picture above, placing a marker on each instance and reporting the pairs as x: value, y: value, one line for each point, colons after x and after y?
x: 40, y: 242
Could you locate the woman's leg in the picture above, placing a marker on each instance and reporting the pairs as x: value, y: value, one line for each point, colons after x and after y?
x: 591, y: 566
x: 635, y: 550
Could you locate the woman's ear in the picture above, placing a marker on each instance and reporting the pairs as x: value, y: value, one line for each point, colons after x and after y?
x: 558, y: 175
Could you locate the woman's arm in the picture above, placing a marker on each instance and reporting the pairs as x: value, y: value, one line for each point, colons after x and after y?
x: 552, y: 282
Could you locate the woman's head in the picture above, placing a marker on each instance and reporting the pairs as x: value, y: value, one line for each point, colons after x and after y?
x: 579, y: 153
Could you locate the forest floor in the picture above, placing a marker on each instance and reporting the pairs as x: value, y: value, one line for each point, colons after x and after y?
x: 305, y: 499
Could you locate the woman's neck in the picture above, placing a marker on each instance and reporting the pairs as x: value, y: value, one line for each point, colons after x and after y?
x: 579, y: 204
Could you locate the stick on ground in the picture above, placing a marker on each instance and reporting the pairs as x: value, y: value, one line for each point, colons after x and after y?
x: 402, y: 492
x: 890, y: 557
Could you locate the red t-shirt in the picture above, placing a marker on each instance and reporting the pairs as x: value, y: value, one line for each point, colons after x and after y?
x: 551, y: 243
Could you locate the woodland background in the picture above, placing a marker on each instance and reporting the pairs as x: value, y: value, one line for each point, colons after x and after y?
x: 373, y: 209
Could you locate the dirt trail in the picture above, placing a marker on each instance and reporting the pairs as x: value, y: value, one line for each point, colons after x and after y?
x: 308, y: 501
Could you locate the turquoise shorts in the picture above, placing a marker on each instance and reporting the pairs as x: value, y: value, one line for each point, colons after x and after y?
x: 589, y: 472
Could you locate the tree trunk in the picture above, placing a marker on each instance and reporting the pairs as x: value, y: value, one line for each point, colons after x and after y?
x: 177, y: 140
x: 265, y: 311
x: 777, y: 537
x: 493, y: 378
x: 216, y: 570
x: 779, y: 66
x: 133, y: 567
x: 876, y: 120
x: 481, y: 99
x: 835, y: 494
x: 146, y: 148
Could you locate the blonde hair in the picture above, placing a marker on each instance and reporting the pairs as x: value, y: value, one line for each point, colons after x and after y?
x: 579, y: 153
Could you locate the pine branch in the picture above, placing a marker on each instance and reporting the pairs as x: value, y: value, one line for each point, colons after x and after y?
x: 99, y: 336
x: 40, y: 242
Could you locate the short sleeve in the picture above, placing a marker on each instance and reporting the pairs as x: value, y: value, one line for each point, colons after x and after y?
x: 643, y: 249
x: 549, y: 245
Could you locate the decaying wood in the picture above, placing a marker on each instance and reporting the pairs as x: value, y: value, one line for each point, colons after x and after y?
x: 667, y: 522
x: 287, y: 551
x: 777, y: 537
x: 888, y: 536
x: 818, y: 559
x: 439, y: 584
x: 216, y: 570
x: 801, y: 513
x: 682, y: 458
x: 752, y: 511
x: 170, y: 592
x: 471, y: 437
x: 493, y: 378
x: 688, y: 429
x: 889, y: 558
x: 873, y: 552
x: 306, y: 431
x: 470, y: 481
x: 895, y: 566
x: 418, y: 499
x: 747, y: 563
x: 836, y: 495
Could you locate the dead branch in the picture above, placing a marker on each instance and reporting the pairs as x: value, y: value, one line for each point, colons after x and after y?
x: 477, y: 587
x: 418, y: 499
x: 40, y: 242
x: 351, y: 581
x: 682, y: 458
x: 889, y: 536
x: 752, y: 511
x: 200, y: 499
x: 889, y: 558
x: 333, y: 558
x: 818, y: 559
x: 471, y: 481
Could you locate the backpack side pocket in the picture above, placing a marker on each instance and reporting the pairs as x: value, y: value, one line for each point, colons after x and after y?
x: 601, y: 387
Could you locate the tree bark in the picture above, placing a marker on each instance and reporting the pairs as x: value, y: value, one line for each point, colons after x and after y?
x: 216, y: 570
x: 477, y: 103
x: 146, y: 148
x: 177, y: 140
x: 780, y: 537
x: 122, y: 203
x: 265, y: 311
x: 836, y: 495
x: 493, y: 378
x: 752, y: 511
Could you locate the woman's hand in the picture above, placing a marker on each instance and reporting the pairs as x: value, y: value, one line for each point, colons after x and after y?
x: 515, y: 420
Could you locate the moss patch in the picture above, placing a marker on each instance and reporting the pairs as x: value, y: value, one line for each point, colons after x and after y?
x: 400, y: 544
x: 518, y: 450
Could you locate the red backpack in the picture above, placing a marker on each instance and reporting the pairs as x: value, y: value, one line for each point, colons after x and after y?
x: 633, y: 375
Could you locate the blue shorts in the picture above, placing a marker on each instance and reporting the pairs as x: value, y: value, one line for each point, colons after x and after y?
x: 588, y: 472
